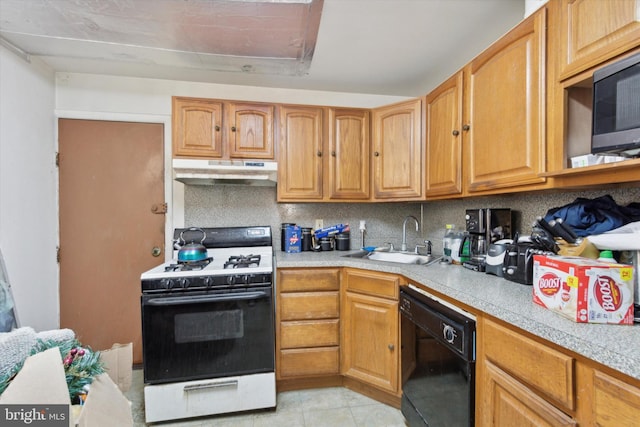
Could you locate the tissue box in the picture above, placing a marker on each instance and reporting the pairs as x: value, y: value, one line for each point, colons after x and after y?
x: 584, y: 290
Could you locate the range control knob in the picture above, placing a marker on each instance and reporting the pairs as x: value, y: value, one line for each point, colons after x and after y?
x: 183, y: 282
x: 166, y: 283
x: 231, y: 280
x: 208, y: 281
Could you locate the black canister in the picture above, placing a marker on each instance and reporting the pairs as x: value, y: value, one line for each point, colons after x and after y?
x: 306, y: 239
x: 283, y: 229
x: 343, y: 241
x: 326, y: 244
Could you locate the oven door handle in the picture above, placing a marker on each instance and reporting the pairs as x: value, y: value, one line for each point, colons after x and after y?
x: 198, y: 299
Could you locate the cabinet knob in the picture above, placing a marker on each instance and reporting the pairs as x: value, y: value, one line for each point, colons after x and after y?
x: 466, y: 127
x: 319, y: 153
x: 333, y: 153
x: 455, y: 132
x: 217, y: 128
x: 233, y: 128
x: 376, y: 154
x: 391, y: 347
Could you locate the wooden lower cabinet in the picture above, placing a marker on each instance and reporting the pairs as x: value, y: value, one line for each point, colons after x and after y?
x: 522, y: 381
x: 370, y: 335
x: 508, y: 402
x: 307, y: 323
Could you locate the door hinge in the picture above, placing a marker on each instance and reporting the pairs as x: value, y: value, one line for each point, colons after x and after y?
x: 159, y: 208
x: 58, y: 254
x: 58, y: 159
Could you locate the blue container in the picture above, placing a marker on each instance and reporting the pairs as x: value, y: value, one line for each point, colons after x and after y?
x: 293, y: 239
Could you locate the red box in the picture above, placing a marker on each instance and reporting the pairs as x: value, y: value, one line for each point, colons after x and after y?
x: 583, y: 289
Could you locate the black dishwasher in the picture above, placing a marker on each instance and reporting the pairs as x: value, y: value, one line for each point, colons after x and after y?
x: 438, y: 361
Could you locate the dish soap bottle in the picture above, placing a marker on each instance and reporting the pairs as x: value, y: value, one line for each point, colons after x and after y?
x: 607, y: 256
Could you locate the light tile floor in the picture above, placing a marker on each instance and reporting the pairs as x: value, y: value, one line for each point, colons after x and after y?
x: 331, y: 407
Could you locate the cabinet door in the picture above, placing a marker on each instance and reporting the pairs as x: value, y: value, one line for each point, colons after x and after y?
x: 505, y: 110
x: 593, y: 31
x: 300, y: 153
x: 615, y: 403
x: 397, y: 151
x: 443, y: 138
x: 197, y: 127
x: 507, y: 402
x: 349, y: 154
x: 251, y: 131
x: 370, y: 350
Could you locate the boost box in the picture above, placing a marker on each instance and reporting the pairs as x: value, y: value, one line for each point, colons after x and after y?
x: 583, y: 289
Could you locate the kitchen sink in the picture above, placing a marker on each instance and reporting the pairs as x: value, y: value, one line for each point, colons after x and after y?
x: 397, y: 257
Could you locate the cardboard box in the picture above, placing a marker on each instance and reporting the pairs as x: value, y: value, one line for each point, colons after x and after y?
x: 584, y: 290
x: 41, y: 384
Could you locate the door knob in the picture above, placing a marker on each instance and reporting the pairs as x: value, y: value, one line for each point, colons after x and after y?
x: 156, y: 251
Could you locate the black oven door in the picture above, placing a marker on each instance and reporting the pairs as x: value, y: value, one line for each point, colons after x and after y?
x: 207, y: 335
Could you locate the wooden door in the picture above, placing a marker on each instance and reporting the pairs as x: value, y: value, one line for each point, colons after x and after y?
x: 397, y: 151
x: 349, y: 157
x: 111, y: 177
x: 444, y: 138
x: 505, y: 110
x: 370, y: 342
x: 197, y: 128
x: 300, y: 153
x: 250, y: 128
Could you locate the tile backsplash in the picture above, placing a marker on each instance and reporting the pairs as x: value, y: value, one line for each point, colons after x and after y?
x: 234, y: 205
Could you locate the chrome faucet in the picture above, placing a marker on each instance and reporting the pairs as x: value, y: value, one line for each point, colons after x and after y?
x: 403, y: 247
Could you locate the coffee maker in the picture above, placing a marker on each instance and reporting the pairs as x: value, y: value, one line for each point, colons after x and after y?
x: 485, y: 226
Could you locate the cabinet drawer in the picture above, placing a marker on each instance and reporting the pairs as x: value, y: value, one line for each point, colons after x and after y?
x: 303, y: 362
x: 314, y: 333
x: 309, y: 305
x: 547, y: 371
x: 309, y: 280
x: 372, y: 283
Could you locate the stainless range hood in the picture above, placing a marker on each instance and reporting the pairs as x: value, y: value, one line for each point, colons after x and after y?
x: 225, y: 172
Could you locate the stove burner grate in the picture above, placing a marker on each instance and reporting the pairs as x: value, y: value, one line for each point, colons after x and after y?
x: 188, y: 265
x: 242, y: 261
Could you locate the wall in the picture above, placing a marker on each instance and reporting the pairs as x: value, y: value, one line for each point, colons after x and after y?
x: 28, y: 188
x: 239, y: 205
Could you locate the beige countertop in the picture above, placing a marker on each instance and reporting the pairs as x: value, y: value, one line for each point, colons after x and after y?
x: 615, y: 346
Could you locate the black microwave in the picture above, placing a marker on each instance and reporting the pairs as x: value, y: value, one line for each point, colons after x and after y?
x: 616, y: 107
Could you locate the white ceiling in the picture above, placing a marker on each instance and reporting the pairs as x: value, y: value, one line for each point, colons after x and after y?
x: 388, y: 47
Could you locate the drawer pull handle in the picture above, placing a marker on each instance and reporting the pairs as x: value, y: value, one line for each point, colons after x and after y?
x: 219, y: 384
x: 391, y: 347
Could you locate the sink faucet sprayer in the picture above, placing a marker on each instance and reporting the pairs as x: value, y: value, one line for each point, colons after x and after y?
x: 403, y: 247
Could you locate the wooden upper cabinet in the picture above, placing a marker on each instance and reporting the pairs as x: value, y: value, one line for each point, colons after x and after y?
x: 504, y: 124
x: 443, y: 109
x: 593, y: 31
x: 251, y: 131
x: 349, y: 154
x: 397, y: 151
x: 197, y: 127
x: 222, y: 129
x: 300, y: 153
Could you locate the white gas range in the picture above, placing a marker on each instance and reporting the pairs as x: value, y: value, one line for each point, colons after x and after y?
x: 208, y: 328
